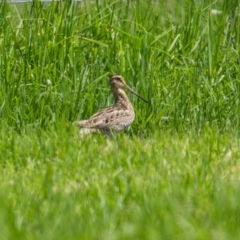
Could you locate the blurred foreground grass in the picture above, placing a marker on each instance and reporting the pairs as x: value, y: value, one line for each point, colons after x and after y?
x: 171, y: 186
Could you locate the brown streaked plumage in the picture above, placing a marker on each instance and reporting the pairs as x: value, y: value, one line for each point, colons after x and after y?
x: 115, y: 118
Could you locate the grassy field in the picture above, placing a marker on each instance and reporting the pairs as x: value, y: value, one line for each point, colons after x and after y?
x: 174, y: 174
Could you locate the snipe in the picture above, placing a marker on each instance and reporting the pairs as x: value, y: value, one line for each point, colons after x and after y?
x: 115, y: 118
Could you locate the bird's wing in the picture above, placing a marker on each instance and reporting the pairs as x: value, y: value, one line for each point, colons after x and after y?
x: 109, y: 118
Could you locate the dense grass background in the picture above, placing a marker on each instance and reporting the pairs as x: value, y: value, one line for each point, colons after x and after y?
x: 174, y: 174
x: 56, y: 59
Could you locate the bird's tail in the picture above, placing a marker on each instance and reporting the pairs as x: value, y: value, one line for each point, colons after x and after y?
x: 81, y: 123
x: 84, y: 130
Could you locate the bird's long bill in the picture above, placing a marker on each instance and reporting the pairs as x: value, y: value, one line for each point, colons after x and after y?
x: 130, y: 90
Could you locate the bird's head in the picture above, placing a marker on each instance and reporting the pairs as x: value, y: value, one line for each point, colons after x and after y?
x: 117, y: 81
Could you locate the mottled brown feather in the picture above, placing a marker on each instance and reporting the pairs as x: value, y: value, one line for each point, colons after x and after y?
x: 114, y: 118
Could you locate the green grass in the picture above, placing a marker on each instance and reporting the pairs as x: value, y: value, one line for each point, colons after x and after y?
x: 174, y: 174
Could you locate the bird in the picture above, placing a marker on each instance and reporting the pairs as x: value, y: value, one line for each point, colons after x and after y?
x: 115, y: 118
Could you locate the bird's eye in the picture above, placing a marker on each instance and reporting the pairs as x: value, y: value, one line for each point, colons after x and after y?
x: 118, y: 79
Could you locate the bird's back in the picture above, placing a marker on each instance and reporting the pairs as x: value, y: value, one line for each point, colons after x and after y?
x: 111, y: 119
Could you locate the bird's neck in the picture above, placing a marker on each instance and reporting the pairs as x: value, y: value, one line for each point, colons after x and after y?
x: 121, y: 98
